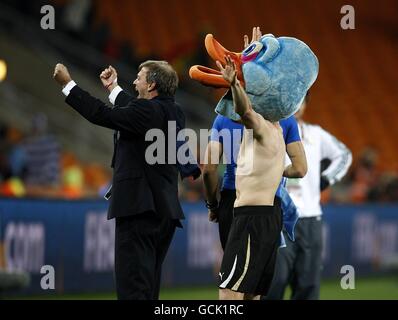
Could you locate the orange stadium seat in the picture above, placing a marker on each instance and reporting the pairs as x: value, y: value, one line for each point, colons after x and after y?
x: 354, y: 96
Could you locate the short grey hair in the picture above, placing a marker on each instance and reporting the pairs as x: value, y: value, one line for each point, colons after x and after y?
x: 163, y: 74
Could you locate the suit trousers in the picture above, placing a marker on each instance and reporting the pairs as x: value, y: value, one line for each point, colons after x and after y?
x: 141, y: 244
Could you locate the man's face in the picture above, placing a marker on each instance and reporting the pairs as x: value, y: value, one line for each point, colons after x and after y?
x: 141, y: 85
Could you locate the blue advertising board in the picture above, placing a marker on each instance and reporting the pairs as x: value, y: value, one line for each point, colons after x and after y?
x: 77, y: 240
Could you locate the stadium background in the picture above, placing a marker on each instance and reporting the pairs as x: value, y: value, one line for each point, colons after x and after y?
x: 57, y: 217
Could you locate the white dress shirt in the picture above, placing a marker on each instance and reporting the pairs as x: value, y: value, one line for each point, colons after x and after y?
x: 112, y: 96
x: 318, y: 144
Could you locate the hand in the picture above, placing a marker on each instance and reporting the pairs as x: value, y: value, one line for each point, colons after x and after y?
x: 256, y: 36
x: 61, y: 75
x: 324, y: 183
x: 213, y: 215
x: 109, y: 78
x: 229, y: 72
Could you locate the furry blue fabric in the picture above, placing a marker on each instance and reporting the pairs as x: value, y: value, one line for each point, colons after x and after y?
x: 278, y: 73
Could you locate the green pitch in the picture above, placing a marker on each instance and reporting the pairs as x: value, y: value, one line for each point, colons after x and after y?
x: 385, y: 288
x: 375, y: 288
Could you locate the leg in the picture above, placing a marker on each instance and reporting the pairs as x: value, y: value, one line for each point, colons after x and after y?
x: 284, y: 266
x: 227, y: 294
x: 135, y: 257
x: 250, y: 255
x: 309, y: 262
x: 283, y: 271
x: 251, y: 297
x: 165, y: 236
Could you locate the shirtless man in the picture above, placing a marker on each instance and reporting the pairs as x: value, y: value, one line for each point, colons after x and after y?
x: 249, y: 259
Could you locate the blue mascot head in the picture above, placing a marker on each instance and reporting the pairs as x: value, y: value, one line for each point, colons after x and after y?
x: 276, y: 73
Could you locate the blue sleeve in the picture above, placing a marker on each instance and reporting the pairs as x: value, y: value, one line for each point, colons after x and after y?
x: 290, y: 130
x: 217, y: 126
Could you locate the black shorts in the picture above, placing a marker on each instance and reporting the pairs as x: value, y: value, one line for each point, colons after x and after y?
x: 250, y: 254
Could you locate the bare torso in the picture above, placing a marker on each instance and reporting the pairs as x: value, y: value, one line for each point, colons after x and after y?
x: 260, y: 165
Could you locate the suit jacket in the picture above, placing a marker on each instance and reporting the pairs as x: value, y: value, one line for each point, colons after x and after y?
x: 137, y: 186
x: 190, y: 169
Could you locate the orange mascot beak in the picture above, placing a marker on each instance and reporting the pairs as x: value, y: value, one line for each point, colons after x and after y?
x: 211, y: 77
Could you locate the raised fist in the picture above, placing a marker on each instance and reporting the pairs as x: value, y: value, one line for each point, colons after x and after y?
x: 61, y: 74
x: 109, y: 77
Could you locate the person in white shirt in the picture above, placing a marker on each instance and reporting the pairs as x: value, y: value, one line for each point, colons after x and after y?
x: 299, y: 264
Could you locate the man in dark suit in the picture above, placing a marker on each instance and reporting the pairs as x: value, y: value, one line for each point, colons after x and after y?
x: 144, y: 197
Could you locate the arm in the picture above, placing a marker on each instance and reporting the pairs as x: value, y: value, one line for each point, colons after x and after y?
x: 210, y: 177
x: 210, y: 174
x: 241, y: 101
x: 213, y: 155
x: 296, y: 153
x: 339, y: 155
x: 240, y: 94
x: 135, y: 120
x: 123, y: 99
x: 117, y: 96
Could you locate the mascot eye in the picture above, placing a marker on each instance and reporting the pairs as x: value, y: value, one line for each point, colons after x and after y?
x: 251, y: 52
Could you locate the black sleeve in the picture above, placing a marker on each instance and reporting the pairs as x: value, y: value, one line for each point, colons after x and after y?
x: 324, y: 183
x: 137, y: 117
x: 325, y: 163
x: 123, y: 98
